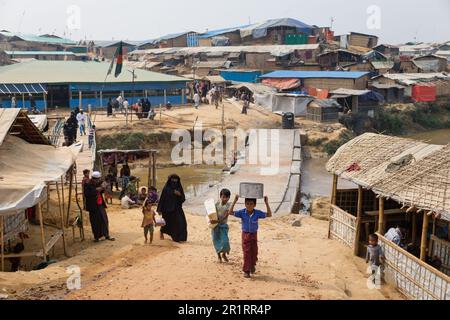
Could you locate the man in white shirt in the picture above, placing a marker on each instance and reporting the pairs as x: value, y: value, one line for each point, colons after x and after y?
x: 126, y: 105
x: 81, y: 118
x: 126, y: 202
x: 395, y: 235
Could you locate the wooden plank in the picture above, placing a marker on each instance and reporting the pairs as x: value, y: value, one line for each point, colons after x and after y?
x: 386, y: 212
x: 51, y: 243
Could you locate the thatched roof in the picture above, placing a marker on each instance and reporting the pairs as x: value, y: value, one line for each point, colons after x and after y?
x: 410, y: 172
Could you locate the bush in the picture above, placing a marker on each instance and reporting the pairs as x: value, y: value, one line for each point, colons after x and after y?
x: 316, y: 142
x: 391, y: 122
x: 331, y: 147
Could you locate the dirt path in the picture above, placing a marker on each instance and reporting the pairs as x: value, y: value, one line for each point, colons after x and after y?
x: 295, y: 263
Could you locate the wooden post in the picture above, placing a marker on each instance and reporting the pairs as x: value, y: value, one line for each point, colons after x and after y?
x: 101, y: 99
x: 69, y: 201
x: 154, y: 168
x: 150, y: 167
x: 333, y: 201
x: 160, y: 115
x: 62, y: 194
x: 23, y: 101
x: 358, y: 219
x: 334, y: 190
x: 80, y: 98
x: 381, y: 222
x: 414, y: 227
x: 2, y: 240
x: 423, y: 243
x: 45, y: 103
x: 430, y: 244
x: 41, y: 222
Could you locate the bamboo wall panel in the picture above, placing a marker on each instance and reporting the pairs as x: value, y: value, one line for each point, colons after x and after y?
x: 412, y: 277
x: 342, y: 226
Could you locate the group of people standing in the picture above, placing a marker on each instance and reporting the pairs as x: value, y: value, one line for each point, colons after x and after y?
x: 77, y: 120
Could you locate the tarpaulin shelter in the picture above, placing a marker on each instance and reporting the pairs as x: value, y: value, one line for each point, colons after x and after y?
x: 282, y: 84
x: 259, y: 30
x: 28, y: 165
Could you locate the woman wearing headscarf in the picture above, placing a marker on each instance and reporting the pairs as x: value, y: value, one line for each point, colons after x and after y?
x: 171, y: 207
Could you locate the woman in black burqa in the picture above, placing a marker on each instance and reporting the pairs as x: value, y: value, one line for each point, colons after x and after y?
x: 171, y: 207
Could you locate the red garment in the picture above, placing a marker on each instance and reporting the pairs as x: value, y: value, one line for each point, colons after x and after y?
x: 250, y: 249
x: 99, y: 199
x: 354, y: 167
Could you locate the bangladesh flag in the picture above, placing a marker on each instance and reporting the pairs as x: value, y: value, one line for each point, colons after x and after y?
x: 119, y: 56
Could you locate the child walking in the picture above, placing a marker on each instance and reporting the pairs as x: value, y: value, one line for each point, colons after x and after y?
x: 374, y: 255
x: 220, y: 232
x: 250, y: 226
x: 149, y: 221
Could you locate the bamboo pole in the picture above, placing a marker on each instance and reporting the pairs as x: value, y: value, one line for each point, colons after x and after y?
x: 334, y: 190
x: 381, y: 217
x: 358, y: 219
x: 430, y: 244
x: 61, y: 214
x: 69, y: 201
x: 414, y: 227
x: 150, y: 167
x: 154, y: 169
x: 423, y: 243
x: 41, y: 223
x: 62, y: 194
x: 2, y: 239
x: 333, y: 201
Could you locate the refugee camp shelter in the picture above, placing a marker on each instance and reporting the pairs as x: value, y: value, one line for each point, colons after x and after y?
x: 29, y: 165
x: 42, y: 55
x: 78, y: 84
x: 431, y: 63
x: 221, y: 37
x: 358, y: 101
x: 362, y: 40
x: 107, y: 49
x: 275, y: 31
x: 398, y: 182
x: 241, y: 75
x: 330, y: 80
x: 323, y: 110
x: 173, y: 40
x: 29, y: 42
x: 392, y: 93
x: 387, y: 50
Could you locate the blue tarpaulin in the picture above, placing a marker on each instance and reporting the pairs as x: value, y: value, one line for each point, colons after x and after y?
x: 314, y: 74
x: 240, y: 76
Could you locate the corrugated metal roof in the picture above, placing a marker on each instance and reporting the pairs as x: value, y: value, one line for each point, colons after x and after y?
x: 259, y: 30
x: 273, y: 49
x: 34, y: 53
x: 315, y: 74
x: 218, y: 32
x: 382, y: 64
x: 74, y: 72
x: 36, y: 38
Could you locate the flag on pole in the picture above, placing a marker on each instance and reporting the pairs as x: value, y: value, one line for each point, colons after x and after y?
x: 119, y: 56
x: 119, y: 60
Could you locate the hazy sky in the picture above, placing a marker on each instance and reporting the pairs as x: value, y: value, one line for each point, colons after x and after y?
x: 398, y: 20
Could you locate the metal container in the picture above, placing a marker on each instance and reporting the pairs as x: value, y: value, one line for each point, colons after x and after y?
x: 251, y: 190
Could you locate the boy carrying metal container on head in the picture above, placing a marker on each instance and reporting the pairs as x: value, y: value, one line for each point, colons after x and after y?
x: 250, y: 217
